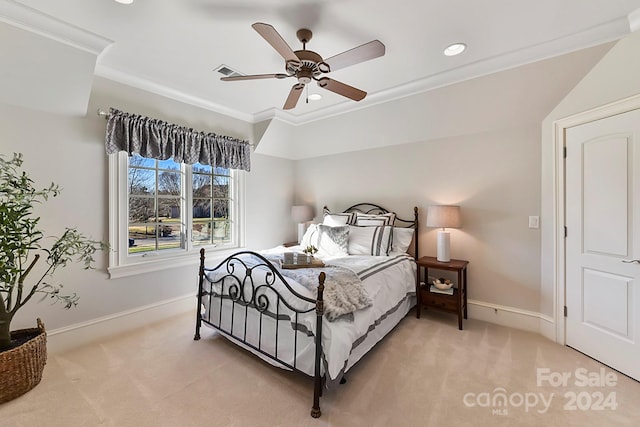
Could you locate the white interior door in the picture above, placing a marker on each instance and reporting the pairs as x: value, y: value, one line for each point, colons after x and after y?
x: 603, y: 239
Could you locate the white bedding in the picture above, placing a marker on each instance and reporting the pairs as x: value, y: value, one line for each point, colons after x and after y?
x: 390, y: 283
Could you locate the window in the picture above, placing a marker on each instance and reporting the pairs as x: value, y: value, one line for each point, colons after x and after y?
x: 163, y: 212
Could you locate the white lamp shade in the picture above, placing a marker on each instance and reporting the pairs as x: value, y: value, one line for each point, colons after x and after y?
x: 301, y: 213
x: 445, y: 216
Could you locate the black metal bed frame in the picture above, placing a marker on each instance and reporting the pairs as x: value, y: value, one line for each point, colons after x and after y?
x: 249, y: 285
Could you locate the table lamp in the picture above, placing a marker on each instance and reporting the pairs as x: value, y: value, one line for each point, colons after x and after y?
x: 444, y: 216
x: 301, y: 214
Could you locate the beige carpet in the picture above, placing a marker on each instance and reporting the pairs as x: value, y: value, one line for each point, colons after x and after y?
x: 426, y: 373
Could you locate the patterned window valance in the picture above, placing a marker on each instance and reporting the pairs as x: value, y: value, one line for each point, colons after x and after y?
x: 157, y: 139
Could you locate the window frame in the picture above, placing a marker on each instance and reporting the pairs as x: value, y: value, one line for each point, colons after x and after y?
x: 122, y: 264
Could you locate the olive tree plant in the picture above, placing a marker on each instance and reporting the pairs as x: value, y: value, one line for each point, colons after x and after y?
x: 23, y: 244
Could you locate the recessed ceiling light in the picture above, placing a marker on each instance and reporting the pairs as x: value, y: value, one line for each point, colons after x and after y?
x: 455, y: 49
x: 315, y: 97
x: 125, y: 1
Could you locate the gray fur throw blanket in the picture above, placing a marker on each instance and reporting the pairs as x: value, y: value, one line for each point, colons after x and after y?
x: 343, y: 290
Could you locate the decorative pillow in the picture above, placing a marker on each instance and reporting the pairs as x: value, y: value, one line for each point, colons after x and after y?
x: 371, y: 220
x: 337, y: 219
x: 401, y: 240
x: 310, y: 237
x: 333, y: 241
x: 370, y: 240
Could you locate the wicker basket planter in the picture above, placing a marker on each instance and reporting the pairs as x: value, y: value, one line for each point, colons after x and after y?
x: 21, y: 367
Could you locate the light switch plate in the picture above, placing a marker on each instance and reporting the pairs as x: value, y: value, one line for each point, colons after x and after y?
x: 534, y: 222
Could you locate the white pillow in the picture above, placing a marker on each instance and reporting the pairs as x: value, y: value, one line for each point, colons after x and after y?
x: 335, y: 220
x: 369, y: 240
x: 310, y: 237
x: 333, y: 241
x: 371, y: 220
x: 402, y: 238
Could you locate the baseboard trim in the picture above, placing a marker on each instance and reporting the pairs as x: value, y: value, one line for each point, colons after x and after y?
x: 512, y: 317
x: 68, y: 337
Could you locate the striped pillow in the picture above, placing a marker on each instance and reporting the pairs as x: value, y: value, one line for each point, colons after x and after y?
x: 371, y: 220
x: 370, y: 240
x: 337, y: 219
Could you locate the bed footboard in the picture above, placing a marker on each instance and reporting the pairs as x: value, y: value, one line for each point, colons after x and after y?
x: 247, y: 299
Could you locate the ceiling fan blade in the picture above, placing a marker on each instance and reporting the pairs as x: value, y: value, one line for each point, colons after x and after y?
x: 365, y: 52
x: 276, y: 41
x: 293, y: 97
x: 342, y: 89
x: 255, y: 77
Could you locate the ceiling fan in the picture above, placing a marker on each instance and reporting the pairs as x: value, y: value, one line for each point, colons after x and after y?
x: 306, y: 65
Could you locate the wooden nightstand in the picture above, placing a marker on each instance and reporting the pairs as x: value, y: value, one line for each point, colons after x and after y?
x: 456, y: 303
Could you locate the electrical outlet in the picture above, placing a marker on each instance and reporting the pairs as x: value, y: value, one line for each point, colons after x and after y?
x: 534, y: 222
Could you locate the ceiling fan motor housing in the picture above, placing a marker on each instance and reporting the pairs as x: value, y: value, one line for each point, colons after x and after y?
x: 311, y: 65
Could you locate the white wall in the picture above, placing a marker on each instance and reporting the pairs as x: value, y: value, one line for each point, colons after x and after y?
x: 494, y: 176
x: 614, y: 78
x: 70, y: 151
x: 493, y: 171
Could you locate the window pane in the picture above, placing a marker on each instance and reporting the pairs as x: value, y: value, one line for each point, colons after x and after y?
x: 138, y: 161
x: 221, y: 187
x: 201, y: 209
x: 201, y: 185
x: 201, y: 232
x: 168, y: 165
x: 168, y: 208
x: 220, y: 231
x: 142, y: 238
x: 221, y: 209
x: 141, y: 209
x: 169, y: 235
x: 142, y: 181
x: 200, y: 168
x: 222, y: 171
x: 169, y: 183
x: 221, y: 179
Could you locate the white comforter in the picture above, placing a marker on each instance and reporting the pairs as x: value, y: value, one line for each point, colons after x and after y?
x: 389, y: 281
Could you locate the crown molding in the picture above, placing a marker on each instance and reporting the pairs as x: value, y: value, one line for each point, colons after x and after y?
x: 158, y: 89
x: 634, y: 20
x: 275, y: 113
x: 32, y: 20
x: 593, y: 36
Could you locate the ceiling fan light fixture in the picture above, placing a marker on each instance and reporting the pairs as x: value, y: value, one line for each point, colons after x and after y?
x: 315, y: 97
x: 124, y: 1
x: 455, y: 49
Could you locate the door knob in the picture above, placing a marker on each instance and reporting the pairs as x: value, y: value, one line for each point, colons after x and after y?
x: 629, y: 261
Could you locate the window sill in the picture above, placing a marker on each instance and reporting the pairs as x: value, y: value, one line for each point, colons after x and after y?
x: 165, y: 263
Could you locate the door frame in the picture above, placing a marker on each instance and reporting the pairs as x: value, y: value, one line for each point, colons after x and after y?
x: 559, y: 197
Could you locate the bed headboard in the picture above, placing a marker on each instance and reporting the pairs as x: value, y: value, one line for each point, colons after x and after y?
x: 372, y: 208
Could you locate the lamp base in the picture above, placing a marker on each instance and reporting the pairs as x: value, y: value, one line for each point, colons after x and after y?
x: 443, y: 246
x: 301, y: 229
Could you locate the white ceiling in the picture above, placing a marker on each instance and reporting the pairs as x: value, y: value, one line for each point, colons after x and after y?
x: 172, y: 47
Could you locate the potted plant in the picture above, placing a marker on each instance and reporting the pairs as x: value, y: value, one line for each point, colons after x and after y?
x: 28, y: 260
